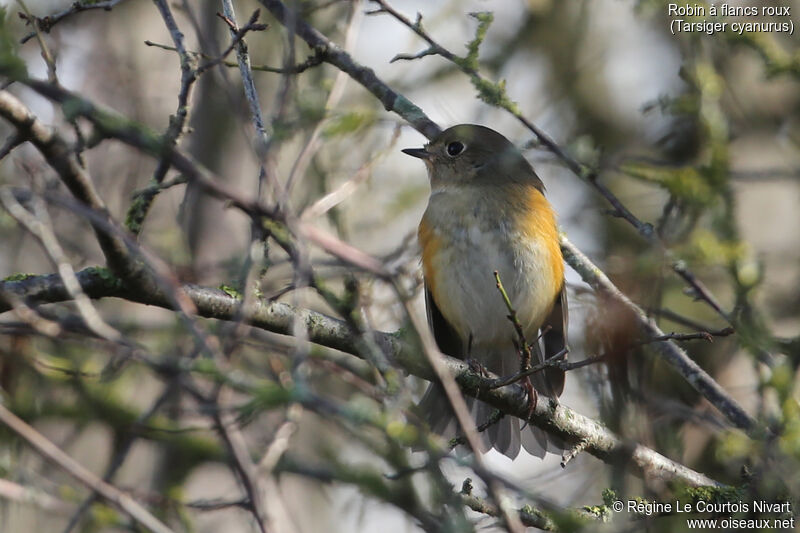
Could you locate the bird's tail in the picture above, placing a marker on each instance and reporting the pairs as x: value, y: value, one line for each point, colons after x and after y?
x: 503, y: 435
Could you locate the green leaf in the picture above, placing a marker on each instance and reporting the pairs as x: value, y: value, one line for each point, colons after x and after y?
x: 349, y: 123
x: 11, y: 65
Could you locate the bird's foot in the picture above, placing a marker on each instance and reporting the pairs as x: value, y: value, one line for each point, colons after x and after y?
x: 477, y: 367
x: 533, y: 396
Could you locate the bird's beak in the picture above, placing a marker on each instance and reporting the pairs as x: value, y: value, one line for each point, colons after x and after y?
x: 421, y: 153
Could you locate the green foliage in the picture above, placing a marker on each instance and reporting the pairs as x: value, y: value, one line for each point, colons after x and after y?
x: 264, y: 398
x: 485, y: 19
x: 349, y: 123
x: 105, y: 274
x: 19, y: 276
x: 688, y: 184
x: 11, y: 65
x: 230, y: 291
x: 706, y: 247
x: 710, y: 494
x: 494, y: 94
x: 776, y: 59
x: 404, y: 433
x: 603, y: 512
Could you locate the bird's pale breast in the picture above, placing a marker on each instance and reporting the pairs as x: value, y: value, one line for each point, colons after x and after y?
x: 466, y: 234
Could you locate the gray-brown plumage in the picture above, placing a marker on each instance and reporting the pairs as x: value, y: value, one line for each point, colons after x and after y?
x: 487, y: 213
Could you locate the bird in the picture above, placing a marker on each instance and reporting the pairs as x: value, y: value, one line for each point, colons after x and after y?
x: 487, y: 213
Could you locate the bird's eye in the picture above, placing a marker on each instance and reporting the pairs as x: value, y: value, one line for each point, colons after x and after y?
x: 455, y: 148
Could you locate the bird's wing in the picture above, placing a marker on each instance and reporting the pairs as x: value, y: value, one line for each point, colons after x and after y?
x: 446, y: 337
x: 434, y: 405
x: 555, y: 339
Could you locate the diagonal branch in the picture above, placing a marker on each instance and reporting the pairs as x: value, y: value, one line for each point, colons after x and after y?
x: 114, y: 125
x: 673, y: 354
x: 54, y: 454
x: 61, y: 158
x: 333, y: 54
x: 46, y: 23
x: 279, y: 317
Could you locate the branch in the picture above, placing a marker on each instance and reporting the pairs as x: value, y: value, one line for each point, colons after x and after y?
x: 435, y: 361
x: 704, y: 335
x: 112, y: 125
x: 17, y: 493
x: 322, y: 329
x: 701, y: 292
x: 61, y: 158
x: 495, y: 94
x: 312, y: 61
x: 39, y: 225
x: 674, y: 355
x: 243, y: 60
x: 45, y: 24
x: 333, y: 54
x: 525, y: 362
x: 116, y: 126
x: 54, y: 454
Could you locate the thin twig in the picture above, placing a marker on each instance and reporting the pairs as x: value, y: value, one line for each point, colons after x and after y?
x: 39, y: 323
x: 46, y: 23
x: 700, y: 291
x: 248, y: 472
x: 704, y: 335
x: 528, y: 518
x: 47, y: 56
x: 668, y: 350
x: 346, y: 189
x: 243, y: 59
x: 54, y: 454
x: 313, y: 60
x: 236, y: 40
x: 468, y: 65
x: 335, y: 94
x: 493, y: 419
x: 40, y: 227
x: 459, y: 405
x: 334, y: 55
x: 279, y: 317
x: 572, y: 452
x: 59, y: 156
x: 17, y: 493
x: 140, y: 207
x: 12, y: 142
x: 525, y: 360
x: 555, y: 361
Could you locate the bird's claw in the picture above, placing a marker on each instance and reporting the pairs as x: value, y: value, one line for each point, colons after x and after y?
x: 533, y: 396
x: 477, y: 367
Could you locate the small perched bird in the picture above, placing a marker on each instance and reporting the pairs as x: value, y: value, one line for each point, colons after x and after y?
x: 487, y: 212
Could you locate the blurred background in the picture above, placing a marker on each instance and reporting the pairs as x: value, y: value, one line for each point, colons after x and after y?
x: 696, y: 134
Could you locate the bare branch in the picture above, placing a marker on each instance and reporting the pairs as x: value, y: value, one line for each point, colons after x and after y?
x: 334, y: 55
x: 279, y: 317
x: 248, y: 472
x: 312, y: 61
x: 701, y: 292
x: 18, y: 493
x: 53, y: 453
x: 704, y: 335
x: 669, y: 351
x: 45, y: 24
x: 41, y: 228
x: 454, y: 395
x: 58, y: 154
